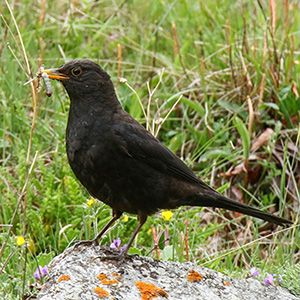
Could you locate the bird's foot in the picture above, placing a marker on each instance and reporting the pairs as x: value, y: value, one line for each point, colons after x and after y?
x: 88, y: 243
x: 113, y: 255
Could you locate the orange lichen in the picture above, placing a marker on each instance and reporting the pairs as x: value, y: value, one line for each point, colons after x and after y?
x: 150, y: 291
x: 105, y: 281
x: 194, y: 276
x: 64, y: 277
x: 118, y: 276
x: 101, y: 292
x: 226, y: 283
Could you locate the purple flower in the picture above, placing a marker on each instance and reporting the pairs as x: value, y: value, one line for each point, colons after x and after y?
x: 253, y: 272
x: 269, y: 279
x: 116, y: 245
x: 40, y: 271
x: 123, y: 247
x: 272, y: 278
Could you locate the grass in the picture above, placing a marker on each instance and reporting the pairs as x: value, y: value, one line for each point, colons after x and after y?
x: 219, y: 83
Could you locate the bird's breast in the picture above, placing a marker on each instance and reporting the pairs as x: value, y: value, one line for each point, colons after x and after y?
x: 85, y: 144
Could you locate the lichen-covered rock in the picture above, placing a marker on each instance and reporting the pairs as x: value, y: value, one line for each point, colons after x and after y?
x: 79, y: 273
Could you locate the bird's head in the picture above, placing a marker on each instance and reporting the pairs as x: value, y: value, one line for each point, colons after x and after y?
x: 82, y: 78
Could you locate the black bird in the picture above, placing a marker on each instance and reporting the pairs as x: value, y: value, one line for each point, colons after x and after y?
x: 120, y: 163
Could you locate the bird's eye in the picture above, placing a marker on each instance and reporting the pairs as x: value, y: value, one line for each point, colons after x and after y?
x: 76, y: 71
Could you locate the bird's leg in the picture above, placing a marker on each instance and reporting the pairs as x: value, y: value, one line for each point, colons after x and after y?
x: 142, y: 218
x: 116, y: 216
x: 95, y: 240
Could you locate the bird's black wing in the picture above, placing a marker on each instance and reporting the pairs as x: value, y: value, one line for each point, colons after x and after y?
x: 142, y: 145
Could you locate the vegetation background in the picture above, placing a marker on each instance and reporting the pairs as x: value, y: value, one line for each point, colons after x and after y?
x: 219, y: 85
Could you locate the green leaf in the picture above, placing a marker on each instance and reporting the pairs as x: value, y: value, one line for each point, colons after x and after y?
x: 167, y: 253
x: 241, y: 127
x: 175, y: 142
x: 224, y: 187
x: 213, y: 154
x: 133, y: 250
x: 229, y: 106
x: 194, y: 105
x: 135, y: 108
x: 270, y: 104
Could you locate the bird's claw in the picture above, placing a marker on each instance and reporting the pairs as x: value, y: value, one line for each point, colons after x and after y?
x: 87, y: 243
x: 118, y: 257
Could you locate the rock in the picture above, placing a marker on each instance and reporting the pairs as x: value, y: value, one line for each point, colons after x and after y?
x: 79, y: 273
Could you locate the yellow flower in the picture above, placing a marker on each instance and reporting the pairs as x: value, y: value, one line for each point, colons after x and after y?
x: 167, y: 215
x: 20, y: 241
x: 149, y: 231
x: 90, y: 202
x: 126, y: 218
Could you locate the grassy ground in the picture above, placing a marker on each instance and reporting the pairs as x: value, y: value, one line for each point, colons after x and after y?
x: 219, y: 81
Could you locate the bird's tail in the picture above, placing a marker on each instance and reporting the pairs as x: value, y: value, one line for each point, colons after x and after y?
x: 219, y: 201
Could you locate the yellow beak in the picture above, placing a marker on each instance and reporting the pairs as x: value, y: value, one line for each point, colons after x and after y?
x: 54, y: 74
